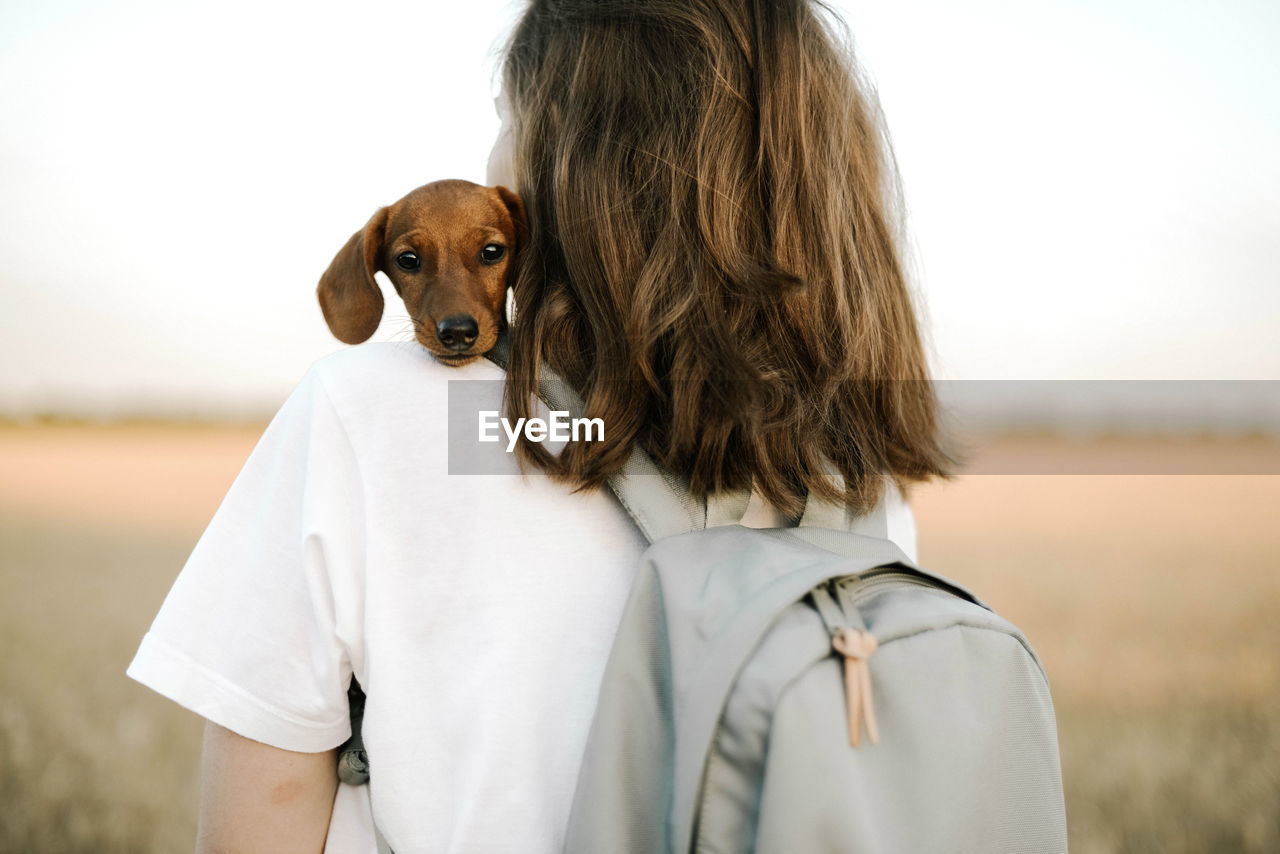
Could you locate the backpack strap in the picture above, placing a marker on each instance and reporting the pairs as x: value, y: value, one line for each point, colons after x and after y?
x: 727, y: 508
x: 659, y: 500
x: 823, y: 514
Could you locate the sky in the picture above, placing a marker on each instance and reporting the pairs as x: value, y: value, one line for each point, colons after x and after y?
x: 1093, y: 188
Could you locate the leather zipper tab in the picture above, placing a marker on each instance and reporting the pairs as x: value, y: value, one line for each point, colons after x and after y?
x: 857, y: 645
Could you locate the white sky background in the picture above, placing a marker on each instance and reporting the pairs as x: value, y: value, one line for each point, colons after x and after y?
x: 1094, y: 187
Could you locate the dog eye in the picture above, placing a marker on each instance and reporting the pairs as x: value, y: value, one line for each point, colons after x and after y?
x: 492, y: 253
x: 408, y: 261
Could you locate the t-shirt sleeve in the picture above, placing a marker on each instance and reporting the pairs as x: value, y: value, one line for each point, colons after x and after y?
x: 261, y: 626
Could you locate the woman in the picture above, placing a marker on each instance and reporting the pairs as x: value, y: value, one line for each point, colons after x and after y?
x: 713, y: 264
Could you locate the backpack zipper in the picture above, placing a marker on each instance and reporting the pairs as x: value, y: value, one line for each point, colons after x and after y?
x: 860, y: 587
x: 850, y: 638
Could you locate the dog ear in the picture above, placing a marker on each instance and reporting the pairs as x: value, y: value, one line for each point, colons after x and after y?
x: 515, y: 207
x: 349, y: 295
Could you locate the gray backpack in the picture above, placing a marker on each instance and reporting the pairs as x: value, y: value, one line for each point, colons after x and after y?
x: 750, y: 662
x: 797, y: 690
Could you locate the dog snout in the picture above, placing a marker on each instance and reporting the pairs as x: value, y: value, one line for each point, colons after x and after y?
x: 458, y: 332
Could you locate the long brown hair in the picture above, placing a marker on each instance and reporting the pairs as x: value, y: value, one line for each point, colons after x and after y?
x: 713, y: 259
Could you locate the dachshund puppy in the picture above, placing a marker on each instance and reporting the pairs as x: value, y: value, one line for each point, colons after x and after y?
x: 449, y: 249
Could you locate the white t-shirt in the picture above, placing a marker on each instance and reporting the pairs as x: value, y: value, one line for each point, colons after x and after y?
x: 476, y: 610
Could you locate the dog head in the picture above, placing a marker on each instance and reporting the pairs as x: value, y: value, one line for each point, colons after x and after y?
x: 449, y: 248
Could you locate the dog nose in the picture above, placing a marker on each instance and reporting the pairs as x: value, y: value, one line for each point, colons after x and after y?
x: 457, y: 332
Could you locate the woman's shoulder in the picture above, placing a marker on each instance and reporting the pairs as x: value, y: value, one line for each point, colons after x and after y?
x: 385, y: 372
x: 396, y: 361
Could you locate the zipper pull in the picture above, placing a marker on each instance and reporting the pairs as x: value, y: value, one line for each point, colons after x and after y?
x: 857, y: 645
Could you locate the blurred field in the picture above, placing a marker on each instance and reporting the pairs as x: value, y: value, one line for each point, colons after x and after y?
x: 1152, y: 600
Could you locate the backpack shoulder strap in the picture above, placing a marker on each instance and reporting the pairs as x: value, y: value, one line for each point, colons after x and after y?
x: 658, y: 500
x: 822, y: 514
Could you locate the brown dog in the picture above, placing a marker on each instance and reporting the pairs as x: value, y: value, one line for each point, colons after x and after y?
x: 449, y: 249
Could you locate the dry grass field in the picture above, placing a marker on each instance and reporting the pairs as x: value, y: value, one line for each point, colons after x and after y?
x: 1152, y: 600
